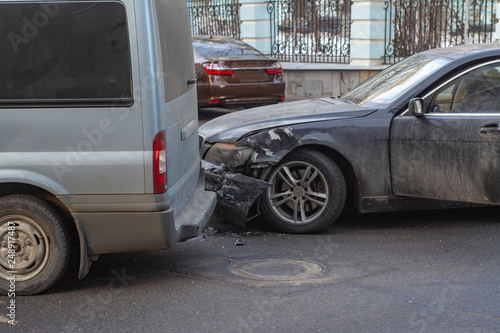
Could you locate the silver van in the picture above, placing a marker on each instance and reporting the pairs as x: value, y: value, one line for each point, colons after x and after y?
x: 98, y: 135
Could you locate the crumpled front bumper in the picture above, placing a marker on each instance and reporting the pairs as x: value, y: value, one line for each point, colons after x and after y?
x: 236, y: 193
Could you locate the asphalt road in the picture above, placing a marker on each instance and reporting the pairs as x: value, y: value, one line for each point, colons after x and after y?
x: 434, y: 271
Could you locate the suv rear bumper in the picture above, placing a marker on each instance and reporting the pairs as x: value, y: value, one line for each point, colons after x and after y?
x: 106, y: 231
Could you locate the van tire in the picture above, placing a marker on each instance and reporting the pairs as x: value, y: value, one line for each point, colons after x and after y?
x: 34, y: 230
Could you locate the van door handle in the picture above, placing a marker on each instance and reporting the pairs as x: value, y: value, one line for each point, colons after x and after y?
x: 191, y: 80
x: 189, y: 129
x: 490, y: 130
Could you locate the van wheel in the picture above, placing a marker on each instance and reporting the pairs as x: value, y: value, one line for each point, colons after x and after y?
x: 33, y: 245
x: 307, y: 194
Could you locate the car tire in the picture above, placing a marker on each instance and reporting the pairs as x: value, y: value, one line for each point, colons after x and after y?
x: 307, y: 194
x: 31, y: 233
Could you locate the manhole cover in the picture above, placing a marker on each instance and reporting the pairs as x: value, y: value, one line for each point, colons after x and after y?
x: 276, y: 269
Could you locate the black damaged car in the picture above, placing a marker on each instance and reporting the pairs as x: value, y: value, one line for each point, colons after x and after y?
x: 422, y: 134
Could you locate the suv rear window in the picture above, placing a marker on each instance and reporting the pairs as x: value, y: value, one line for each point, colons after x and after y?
x: 64, y: 52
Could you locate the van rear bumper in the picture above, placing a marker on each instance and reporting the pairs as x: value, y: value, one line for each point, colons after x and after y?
x: 126, y: 231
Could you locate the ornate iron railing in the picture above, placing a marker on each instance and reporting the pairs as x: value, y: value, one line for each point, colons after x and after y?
x: 215, y: 17
x: 413, y: 26
x: 311, y: 31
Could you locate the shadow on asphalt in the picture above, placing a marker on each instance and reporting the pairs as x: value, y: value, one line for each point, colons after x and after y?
x: 112, y: 270
x: 350, y: 220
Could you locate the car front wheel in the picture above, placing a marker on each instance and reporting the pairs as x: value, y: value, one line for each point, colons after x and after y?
x: 307, y: 195
x: 33, y: 245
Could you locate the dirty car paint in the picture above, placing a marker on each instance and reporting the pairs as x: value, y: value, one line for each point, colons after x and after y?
x: 232, y: 126
x: 390, y: 158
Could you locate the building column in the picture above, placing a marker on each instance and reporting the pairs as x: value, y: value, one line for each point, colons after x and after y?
x: 256, y: 24
x: 368, y: 32
x: 497, y: 26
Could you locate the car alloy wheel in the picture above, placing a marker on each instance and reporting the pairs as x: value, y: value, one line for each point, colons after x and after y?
x: 307, y: 193
x: 299, y: 193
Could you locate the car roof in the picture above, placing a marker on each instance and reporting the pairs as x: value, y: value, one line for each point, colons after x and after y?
x: 223, y: 40
x: 218, y: 39
x: 465, y: 51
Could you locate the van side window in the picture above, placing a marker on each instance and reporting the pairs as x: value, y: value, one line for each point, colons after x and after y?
x: 177, y: 55
x: 59, y: 53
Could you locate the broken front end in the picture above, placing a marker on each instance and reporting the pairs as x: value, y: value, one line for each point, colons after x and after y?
x: 237, y: 172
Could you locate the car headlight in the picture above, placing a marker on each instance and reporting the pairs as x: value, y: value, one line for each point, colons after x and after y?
x: 228, y: 154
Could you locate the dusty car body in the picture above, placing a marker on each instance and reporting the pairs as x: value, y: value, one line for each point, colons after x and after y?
x: 419, y: 135
x: 232, y: 73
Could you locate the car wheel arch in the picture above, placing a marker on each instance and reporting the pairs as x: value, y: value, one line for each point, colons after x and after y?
x: 352, y: 183
x: 307, y: 192
x: 289, y: 142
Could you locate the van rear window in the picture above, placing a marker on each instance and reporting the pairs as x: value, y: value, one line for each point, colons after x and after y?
x: 64, y: 52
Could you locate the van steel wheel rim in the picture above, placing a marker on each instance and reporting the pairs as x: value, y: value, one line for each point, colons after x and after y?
x: 299, y: 194
x: 31, y: 247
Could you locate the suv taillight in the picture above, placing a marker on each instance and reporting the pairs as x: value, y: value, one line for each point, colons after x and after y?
x: 160, y: 163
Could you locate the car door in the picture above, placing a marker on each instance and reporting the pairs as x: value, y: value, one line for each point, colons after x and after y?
x: 452, y: 152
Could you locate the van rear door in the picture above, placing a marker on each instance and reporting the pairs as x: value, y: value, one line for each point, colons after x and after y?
x: 180, y: 112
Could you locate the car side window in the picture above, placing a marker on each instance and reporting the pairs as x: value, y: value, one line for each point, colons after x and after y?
x: 477, y: 91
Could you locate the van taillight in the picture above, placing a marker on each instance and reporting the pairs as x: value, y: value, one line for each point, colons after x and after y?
x: 160, y: 163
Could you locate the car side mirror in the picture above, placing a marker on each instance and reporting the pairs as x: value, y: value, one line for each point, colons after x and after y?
x: 416, y: 107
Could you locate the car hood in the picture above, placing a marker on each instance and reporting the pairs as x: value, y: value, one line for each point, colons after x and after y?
x: 231, y: 127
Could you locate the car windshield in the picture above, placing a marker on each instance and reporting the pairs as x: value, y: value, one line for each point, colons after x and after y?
x: 387, y: 86
x: 222, y: 49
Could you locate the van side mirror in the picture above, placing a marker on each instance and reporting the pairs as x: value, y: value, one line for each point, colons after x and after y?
x: 416, y: 107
